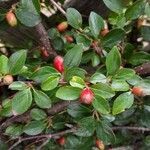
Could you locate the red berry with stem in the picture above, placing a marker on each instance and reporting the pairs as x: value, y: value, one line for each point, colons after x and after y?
x: 8, y: 79
x: 69, y: 38
x: 59, y: 64
x: 100, y: 145
x: 86, y: 96
x: 62, y: 26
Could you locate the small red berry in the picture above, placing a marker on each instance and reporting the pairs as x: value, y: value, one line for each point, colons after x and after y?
x: 86, y: 96
x: 62, y: 26
x: 11, y: 18
x: 69, y: 38
x: 61, y: 141
x: 59, y: 64
x: 8, y: 79
x: 100, y: 145
x: 138, y: 91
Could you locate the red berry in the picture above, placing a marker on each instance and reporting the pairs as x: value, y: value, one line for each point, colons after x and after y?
x: 59, y: 64
x: 100, y: 144
x: 62, y: 26
x: 61, y: 141
x: 86, y: 96
x: 138, y: 91
x: 8, y: 79
x: 69, y: 38
x: 11, y: 18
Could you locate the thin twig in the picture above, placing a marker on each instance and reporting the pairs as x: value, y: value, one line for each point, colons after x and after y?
x: 46, y: 136
x: 131, y: 128
x: 58, y: 7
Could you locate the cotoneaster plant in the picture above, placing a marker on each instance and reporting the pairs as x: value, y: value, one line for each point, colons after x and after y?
x: 84, y: 86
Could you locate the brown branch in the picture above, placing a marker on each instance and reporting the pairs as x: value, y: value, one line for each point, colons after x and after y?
x: 44, y: 39
x: 132, y: 128
x: 58, y: 107
x: 143, y: 70
x: 47, y: 136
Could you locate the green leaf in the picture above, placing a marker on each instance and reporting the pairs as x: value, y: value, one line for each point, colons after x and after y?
x: 50, y: 83
x: 14, y: 130
x: 68, y: 93
x: 139, y: 58
x: 74, y: 71
x: 27, y: 13
x: 95, y: 60
x: 124, y: 74
x: 17, y: 61
x: 145, y: 33
x: 38, y: 114
x: 41, y: 99
x: 104, y: 132
x: 135, y: 10
x: 115, y: 5
x: 18, y: 85
x: 147, y: 9
x: 22, y: 101
x: 113, y: 61
x: 34, y: 127
x: 113, y: 38
x: 98, y: 77
x: 77, y: 82
x: 78, y: 111
x: 74, y: 18
x: 122, y: 102
x: 73, y: 56
x: 86, y: 127
x: 96, y: 23
x: 120, y: 85
x: 43, y: 73
x: 101, y: 105
x: 103, y: 90
x: 3, y: 64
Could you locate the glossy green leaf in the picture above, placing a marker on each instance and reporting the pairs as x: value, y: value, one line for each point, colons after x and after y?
x: 68, y: 93
x: 27, y: 13
x: 41, y: 99
x: 96, y: 23
x: 17, y: 61
x: 135, y: 10
x: 95, y: 60
x: 122, y: 102
x: 3, y: 64
x: 77, y: 82
x: 147, y: 9
x: 38, y: 114
x: 74, y: 18
x: 103, y: 90
x: 113, y: 61
x: 34, y: 127
x: 22, y: 101
x: 73, y: 56
x: 50, y: 83
x: 101, y: 105
x: 98, y: 77
x: 18, y: 85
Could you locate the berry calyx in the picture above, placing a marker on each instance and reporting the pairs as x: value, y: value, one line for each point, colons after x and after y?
x: 86, y: 96
x: 59, y: 64
x: 69, y: 38
x: 61, y: 141
x: 8, y: 79
x: 100, y: 145
x: 138, y: 91
x: 62, y: 26
x: 11, y: 18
